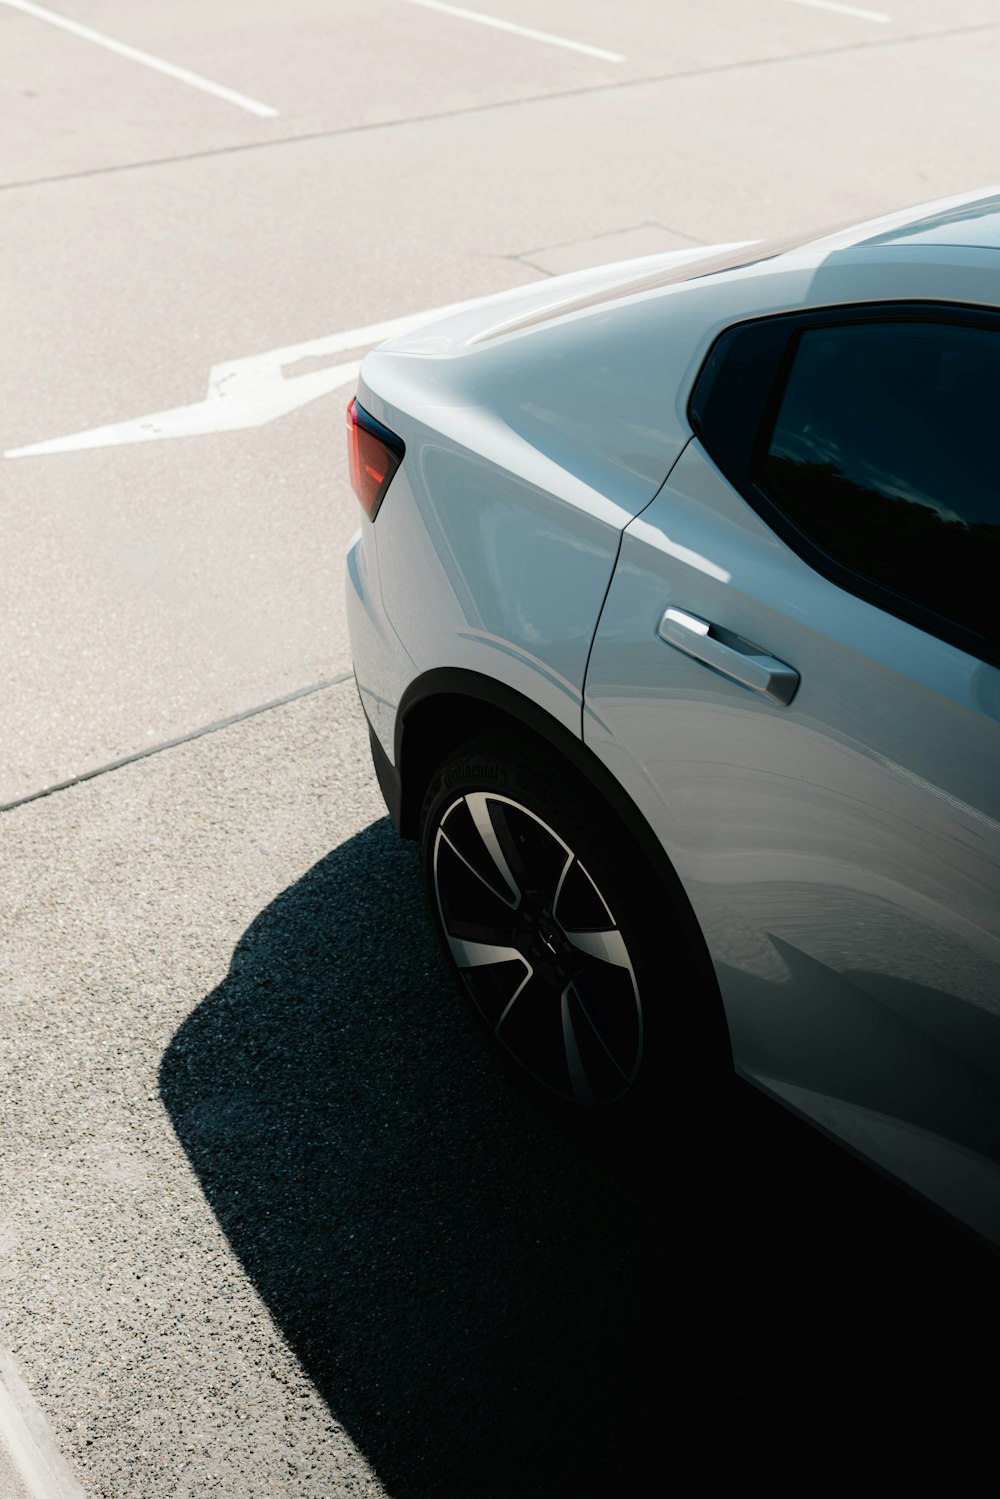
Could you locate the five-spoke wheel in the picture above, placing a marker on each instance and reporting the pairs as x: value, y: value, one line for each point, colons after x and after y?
x: 528, y: 910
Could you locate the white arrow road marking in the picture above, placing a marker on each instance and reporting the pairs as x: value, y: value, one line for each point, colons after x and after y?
x: 244, y: 392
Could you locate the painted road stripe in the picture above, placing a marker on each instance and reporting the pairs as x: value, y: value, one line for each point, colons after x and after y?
x: 252, y: 106
x: 31, y: 1465
x: 846, y: 10
x: 534, y: 36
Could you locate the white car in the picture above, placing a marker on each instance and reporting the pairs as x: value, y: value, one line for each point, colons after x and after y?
x: 673, y: 618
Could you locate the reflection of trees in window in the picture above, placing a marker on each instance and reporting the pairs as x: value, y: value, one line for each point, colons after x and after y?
x: 949, y: 566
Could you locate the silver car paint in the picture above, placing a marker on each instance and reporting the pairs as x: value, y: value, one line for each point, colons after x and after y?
x: 529, y: 454
x: 510, y: 505
x: 842, y: 853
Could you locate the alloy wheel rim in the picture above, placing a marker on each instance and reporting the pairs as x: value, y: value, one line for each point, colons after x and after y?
x: 538, y: 948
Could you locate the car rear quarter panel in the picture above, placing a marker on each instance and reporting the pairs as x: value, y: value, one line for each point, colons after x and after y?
x: 528, y: 454
x: 526, y: 457
x: 484, y: 570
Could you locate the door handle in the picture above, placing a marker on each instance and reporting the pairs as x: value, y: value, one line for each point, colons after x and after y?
x: 729, y: 654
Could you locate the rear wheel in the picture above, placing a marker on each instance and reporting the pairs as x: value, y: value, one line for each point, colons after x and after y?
x: 543, y: 926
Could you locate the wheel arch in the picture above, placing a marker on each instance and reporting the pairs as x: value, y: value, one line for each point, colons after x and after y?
x: 447, y: 707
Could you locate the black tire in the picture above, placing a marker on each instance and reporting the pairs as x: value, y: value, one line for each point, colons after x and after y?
x: 552, y: 930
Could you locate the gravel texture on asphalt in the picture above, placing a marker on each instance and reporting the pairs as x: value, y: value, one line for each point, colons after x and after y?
x: 274, y: 1223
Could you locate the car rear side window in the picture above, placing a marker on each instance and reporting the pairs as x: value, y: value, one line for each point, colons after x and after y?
x: 885, y: 454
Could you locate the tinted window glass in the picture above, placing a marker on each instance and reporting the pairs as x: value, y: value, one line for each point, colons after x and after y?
x: 886, y: 454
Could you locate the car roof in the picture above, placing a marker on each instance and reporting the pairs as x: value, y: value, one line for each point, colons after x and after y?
x: 966, y: 221
x: 974, y: 225
x: 970, y: 221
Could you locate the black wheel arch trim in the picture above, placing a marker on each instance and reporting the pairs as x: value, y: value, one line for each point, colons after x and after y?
x: 483, y: 691
x: 452, y: 682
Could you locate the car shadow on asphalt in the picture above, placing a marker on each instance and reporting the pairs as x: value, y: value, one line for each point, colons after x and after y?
x: 490, y: 1301
x: 462, y: 1278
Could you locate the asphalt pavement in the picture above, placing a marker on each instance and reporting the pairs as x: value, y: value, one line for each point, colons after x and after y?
x: 277, y: 1224
x: 272, y: 1222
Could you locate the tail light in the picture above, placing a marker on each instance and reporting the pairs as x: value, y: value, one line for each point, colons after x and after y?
x: 375, y: 453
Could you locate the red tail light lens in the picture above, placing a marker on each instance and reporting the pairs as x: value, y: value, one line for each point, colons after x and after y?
x: 374, y: 454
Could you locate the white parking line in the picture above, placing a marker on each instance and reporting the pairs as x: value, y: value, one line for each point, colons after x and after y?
x: 252, y: 106
x: 31, y: 1465
x: 846, y: 10
x: 535, y: 36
